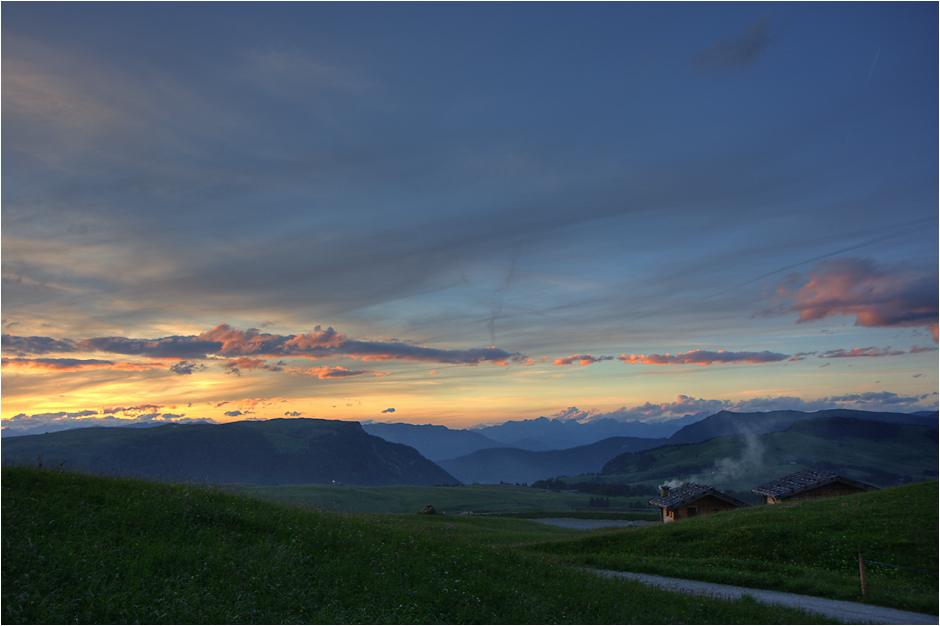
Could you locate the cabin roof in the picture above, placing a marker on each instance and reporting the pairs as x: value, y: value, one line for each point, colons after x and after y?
x: 803, y: 481
x: 687, y: 493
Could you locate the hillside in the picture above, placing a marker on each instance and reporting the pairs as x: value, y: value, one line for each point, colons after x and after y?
x: 99, y: 550
x: 808, y: 547
x: 511, y: 465
x: 873, y: 452
x: 727, y: 423
x: 280, y: 451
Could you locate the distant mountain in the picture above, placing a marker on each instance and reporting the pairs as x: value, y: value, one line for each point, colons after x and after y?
x: 554, y: 434
x: 52, y: 427
x: 433, y: 442
x: 512, y: 465
x: 278, y: 451
x: 880, y: 453
x: 729, y: 423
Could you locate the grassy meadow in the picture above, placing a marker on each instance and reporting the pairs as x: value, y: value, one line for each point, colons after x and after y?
x: 410, y: 499
x: 92, y: 549
x: 808, y: 547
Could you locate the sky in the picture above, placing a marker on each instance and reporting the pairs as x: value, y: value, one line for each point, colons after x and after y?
x: 463, y: 214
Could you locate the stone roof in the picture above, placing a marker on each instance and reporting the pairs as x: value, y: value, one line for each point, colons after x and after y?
x: 803, y: 481
x: 690, y: 492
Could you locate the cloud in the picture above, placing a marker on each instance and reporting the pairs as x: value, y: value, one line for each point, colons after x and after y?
x: 56, y: 365
x: 334, y: 372
x: 879, y: 398
x: 75, y: 365
x: 21, y: 346
x: 37, y: 423
x: 184, y: 368
x: 234, y: 413
x: 585, y: 359
x: 226, y: 341
x: 248, y: 363
x: 860, y: 352
x: 572, y: 413
x: 389, y: 410
x: 737, y: 52
x: 919, y: 349
x: 687, y: 405
x: 705, y: 357
x: 878, y: 296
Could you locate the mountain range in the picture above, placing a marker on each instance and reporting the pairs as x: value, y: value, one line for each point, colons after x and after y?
x: 278, y: 451
x: 300, y: 450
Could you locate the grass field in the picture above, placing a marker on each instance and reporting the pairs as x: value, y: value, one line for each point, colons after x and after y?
x: 91, y: 549
x: 411, y: 499
x: 810, y: 547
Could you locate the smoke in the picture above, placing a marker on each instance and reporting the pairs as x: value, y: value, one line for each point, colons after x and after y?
x: 751, y: 459
x: 729, y: 469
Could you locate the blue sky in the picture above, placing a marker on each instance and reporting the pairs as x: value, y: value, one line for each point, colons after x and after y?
x: 502, y: 211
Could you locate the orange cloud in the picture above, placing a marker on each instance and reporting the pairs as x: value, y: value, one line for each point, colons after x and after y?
x: 582, y: 359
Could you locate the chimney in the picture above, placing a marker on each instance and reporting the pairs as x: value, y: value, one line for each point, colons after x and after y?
x: 663, y: 490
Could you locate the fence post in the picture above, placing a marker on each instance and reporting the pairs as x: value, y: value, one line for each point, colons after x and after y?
x: 861, y: 571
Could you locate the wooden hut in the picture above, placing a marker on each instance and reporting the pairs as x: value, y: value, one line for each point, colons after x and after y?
x: 808, y: 484
x: 690, y: 500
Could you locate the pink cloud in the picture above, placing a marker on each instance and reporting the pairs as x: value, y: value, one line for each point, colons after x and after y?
x: 876, y: 296
x: 705, y: 357
x: 582, y: 359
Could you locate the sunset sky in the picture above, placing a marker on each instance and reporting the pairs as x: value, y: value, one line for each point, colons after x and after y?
x: 466, y: 213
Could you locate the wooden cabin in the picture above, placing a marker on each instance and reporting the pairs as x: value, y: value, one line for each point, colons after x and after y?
x: 691, y: 500
x: 808, y: 484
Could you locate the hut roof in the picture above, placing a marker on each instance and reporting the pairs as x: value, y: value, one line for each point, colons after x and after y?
x: 803, y: 481
x: 687, y: 493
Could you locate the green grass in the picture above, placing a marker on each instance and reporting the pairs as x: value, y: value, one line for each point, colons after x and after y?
x: 410, y: 499
x: 809, y: 548
x: 90, y: 549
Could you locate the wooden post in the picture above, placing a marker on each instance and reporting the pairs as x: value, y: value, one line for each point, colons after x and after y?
x: 861, y: 571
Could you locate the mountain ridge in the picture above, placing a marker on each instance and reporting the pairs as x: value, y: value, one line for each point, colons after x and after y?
x: 278, y: 451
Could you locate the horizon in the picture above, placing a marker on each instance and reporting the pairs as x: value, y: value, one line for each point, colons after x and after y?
x: 467, y: 214
x: 33, y: 427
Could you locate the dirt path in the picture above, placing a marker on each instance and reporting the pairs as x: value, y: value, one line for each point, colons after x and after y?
x: 845, y: 612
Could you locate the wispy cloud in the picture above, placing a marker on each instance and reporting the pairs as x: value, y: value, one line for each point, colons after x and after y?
x: 860, y: 352
x: 75, y: 365
x: 737, y: 52
x: 705, y: 357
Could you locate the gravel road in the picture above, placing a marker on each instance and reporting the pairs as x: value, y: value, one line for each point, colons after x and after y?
x: 845, y: 612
